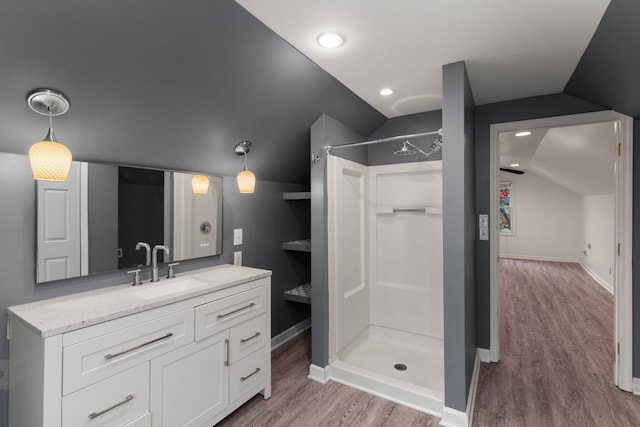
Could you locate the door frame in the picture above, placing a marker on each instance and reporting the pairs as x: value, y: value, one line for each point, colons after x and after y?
x: 623, y: 307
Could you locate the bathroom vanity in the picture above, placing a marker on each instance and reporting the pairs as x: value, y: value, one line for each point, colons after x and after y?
x: 180, y: 352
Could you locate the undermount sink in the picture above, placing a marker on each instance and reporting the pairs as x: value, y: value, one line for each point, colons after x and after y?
x: 152, y: 290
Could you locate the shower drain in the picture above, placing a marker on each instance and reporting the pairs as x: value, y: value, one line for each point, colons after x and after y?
x: 400, y: 366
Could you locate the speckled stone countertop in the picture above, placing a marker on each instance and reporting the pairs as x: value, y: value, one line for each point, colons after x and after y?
x: 67, y: 313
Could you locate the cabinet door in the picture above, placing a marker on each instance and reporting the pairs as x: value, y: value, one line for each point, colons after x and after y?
x: 190, y: 385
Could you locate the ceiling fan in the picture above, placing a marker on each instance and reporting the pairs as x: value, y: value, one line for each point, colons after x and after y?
x: 511, y: 170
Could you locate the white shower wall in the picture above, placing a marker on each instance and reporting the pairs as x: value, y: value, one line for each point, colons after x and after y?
x: 385, y: 268
x: 405, y: 248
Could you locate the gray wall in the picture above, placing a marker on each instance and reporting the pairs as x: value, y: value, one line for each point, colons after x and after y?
x: 266, y: 218
x: 504, y: 112
x: 382, y: 154
x: 459, y: 234
x: 325, y: 131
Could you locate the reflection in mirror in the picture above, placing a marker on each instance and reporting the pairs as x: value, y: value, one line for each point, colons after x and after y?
x: 93, y: 222
x: 196, y: 212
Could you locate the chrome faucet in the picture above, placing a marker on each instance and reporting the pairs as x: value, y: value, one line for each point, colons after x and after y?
x: 140, y: 245
x: 154, y: 271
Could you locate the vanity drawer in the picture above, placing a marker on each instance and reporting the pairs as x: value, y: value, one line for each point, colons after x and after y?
x: 121, y: 400
x: 218, y: 315
x: 246, y: 374
x: 247, y: 337
x: 92, y: 360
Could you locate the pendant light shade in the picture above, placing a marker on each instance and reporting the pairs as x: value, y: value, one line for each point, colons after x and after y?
x: 50, y: 160
x: 200, y: 184
x: 246, y: 179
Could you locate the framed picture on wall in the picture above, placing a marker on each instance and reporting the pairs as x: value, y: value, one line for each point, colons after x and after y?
x: 506, y: 209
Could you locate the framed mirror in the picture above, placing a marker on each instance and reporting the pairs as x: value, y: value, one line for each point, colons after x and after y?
x: 93, y: 222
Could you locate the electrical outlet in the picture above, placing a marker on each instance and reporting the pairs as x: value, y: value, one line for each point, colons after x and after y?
x: 237, y: 258
x: 4, y: 374
x: 237, y: 236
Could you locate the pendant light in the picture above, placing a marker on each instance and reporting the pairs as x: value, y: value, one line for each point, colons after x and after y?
x: 50, y: 160
x: 200, y: 184
x: 246, y: 179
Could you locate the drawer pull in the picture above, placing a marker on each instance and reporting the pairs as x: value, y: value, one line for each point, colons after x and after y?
x: 244, y: 340
x: 222, y: 316
x: 226, y: 360
x: 94, y: 415
x: 111, y: 356
x: 250, y: 375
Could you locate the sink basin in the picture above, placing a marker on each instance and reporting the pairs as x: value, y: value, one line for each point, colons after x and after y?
x: 167, y: 287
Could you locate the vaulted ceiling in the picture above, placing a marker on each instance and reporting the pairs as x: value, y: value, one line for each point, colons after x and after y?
x: 178, y: 84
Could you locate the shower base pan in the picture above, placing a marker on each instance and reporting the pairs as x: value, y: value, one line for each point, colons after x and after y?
x: 399, y: 366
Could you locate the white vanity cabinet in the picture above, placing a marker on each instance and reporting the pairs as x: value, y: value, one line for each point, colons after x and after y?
x: 185, y: 359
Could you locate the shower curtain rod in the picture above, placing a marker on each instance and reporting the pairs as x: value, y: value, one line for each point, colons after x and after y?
x: 328, y: 148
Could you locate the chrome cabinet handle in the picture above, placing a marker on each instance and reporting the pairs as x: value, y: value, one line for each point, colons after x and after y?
x: 244, y: 340
x: 222, y: 316
x: 250, y: 375
x: 226, y: 360
x: 111, y: 356
x: 94, y: 415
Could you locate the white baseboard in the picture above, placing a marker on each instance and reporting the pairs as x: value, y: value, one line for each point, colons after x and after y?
x: 635, y: 386
x: 454, y: 418
x: 318, y: 374
x: 485, y: 355
x: 539, y: 258
x: 597, y: 278
x: 293, y: 331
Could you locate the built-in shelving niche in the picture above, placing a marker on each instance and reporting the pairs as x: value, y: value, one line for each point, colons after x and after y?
x: 300, y: 294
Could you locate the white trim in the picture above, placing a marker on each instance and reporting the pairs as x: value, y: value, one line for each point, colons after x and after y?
x: 624, y: 217
x: 318, y: 374
x: 454, y: 418
x: 290, y: 333
x: 485, y: 355
x: 635, y: 382
x: 84, y: 218
x: 540, y: 258
x: 597, y: 278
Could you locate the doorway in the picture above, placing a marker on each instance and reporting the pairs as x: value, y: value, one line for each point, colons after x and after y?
x: 623, y: 197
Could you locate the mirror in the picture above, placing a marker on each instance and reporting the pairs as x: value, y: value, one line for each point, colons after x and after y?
x: 92, y: 222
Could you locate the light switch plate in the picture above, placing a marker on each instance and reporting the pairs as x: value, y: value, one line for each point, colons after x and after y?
x: 484, y: 233
x: 483, y: 220
x: 237, y: 258
x: 237, y: 236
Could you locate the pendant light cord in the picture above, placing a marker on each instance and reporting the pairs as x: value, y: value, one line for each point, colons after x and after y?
x: 246, y: 167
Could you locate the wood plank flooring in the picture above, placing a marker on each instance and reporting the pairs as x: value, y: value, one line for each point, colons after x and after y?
x: 297, y: 401
x: 556, y: 341
x: 556, y: 366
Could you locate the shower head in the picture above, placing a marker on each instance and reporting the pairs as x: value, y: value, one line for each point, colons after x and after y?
x: 405, y: 150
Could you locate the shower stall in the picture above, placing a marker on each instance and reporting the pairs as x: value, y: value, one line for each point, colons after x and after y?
x: 386, y: 277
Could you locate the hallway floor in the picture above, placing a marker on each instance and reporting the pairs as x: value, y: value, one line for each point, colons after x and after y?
x: 556, y: 341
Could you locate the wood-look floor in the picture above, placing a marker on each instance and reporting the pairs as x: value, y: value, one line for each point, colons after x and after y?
x: 300, y: 402
x: 556, y: 366
x: 556, y: 345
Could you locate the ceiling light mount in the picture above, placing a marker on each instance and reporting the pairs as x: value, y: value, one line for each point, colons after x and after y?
x: 331, y: 39
x: 48, y: 101
x: 242, y: 148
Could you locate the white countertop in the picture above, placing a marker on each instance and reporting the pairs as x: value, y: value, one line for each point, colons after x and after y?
x: 67, y: 313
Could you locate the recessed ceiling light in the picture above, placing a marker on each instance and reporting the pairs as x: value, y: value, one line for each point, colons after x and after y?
x: 514, y: 165
x: 524, y: 133
x: 386, y: 91
x: 331, y: 40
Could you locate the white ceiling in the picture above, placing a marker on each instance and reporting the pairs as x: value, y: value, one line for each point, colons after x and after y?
x: 513, y: 49
x: 578, y: 158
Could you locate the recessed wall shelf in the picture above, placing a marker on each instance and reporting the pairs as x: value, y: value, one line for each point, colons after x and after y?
x: 303, y: 245
x: 301, y: 294
x: 298, y: 195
